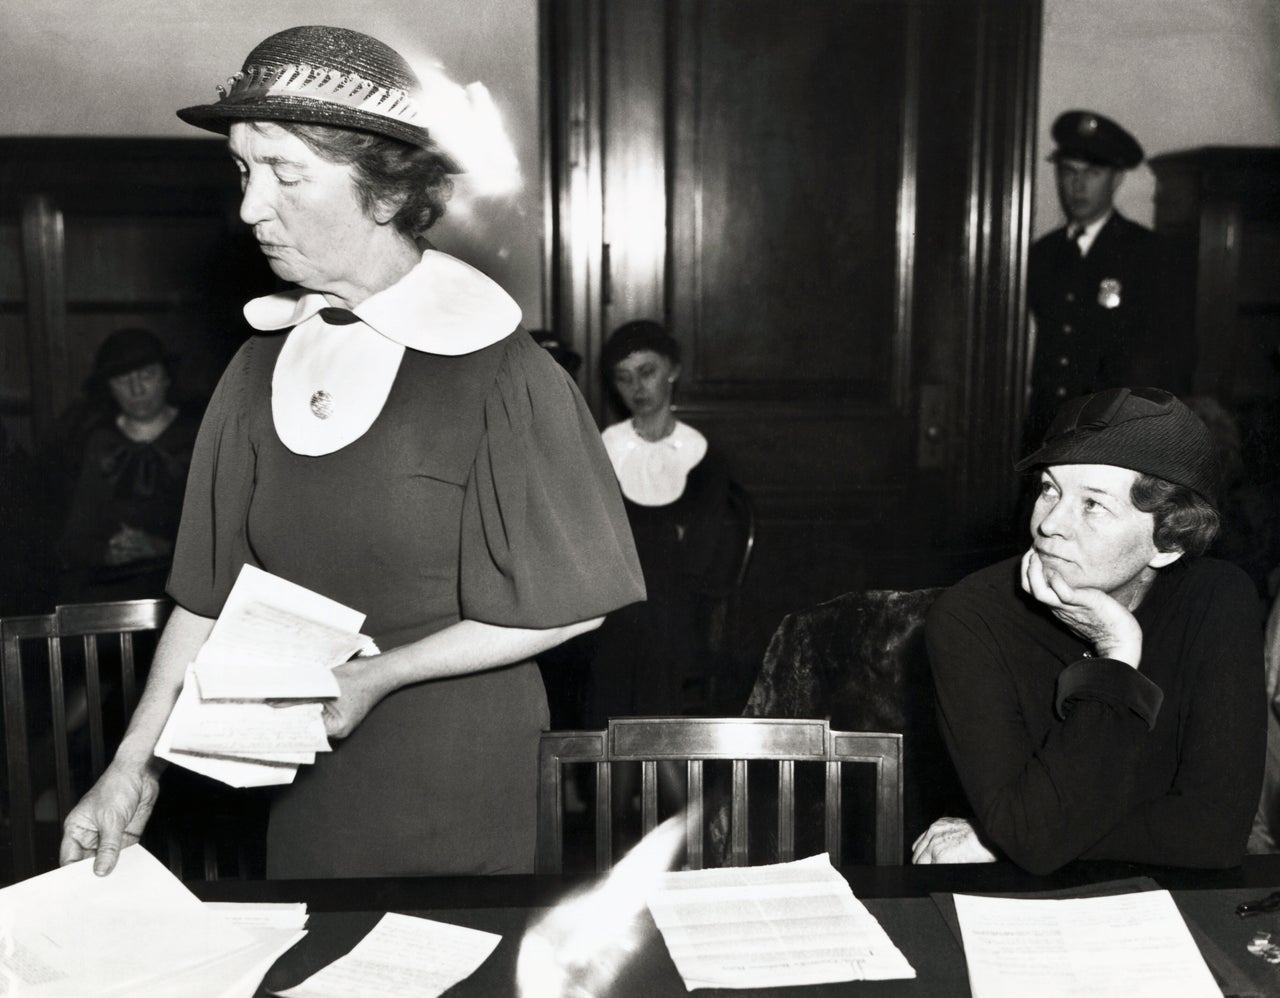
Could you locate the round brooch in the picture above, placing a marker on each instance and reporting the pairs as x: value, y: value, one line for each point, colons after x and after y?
x: 321, y: 404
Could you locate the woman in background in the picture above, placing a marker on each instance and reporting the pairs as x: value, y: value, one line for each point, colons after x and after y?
x: 675, y: 489
x: 117, y: 541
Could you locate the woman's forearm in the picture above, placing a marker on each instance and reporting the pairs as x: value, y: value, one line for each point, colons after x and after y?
x: 182, y: 638
x: 465, y: 647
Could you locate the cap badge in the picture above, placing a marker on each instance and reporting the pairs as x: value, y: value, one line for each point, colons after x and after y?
x: 1088, y: 125
x: 1109, y: 293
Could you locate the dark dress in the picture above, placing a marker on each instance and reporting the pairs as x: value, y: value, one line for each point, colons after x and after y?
x: 123, y: 482
x: 645, y: 651
x: 482, y: 492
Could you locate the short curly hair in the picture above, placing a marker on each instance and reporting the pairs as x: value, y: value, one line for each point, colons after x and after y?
x: 387, y: 171
x: 1184, y: 520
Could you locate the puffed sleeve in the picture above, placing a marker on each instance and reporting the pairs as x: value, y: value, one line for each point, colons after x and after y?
x: 545, y: 540
x: 212, y: 544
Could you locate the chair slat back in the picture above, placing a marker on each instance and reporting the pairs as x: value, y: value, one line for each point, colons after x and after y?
x: 694, y: 741
x: 84, y: 633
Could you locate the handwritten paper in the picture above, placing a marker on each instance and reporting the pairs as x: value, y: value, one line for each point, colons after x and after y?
x: 402, y: 957
x: 771, y: 926
x: 249, y: 711
x: 1127, y: 946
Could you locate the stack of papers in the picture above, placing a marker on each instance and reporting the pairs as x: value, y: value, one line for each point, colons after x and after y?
x: 251, y: 707
x: 771, y: 926
x: 137, y: 932
x: 1126, y: 945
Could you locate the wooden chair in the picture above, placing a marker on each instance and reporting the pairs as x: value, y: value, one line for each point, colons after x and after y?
x: 696, y: 740
x: 860, y: 661
x: 70, y: 682
x: 718, y: 597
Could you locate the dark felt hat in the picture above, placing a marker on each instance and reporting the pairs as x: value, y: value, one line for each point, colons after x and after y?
x: 325, y: 76
x: 640, y: 334
x: 1095, y: 139
x: 1147, y: 430
x: 126, y: 350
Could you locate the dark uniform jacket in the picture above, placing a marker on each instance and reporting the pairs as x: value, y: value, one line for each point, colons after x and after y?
x: 1103, y: 320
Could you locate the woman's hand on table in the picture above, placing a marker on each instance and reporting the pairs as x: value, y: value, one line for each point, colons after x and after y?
x: 361, y: 685
x: 1092, y: 614
x: 110, y: 816
x: 950, y: 840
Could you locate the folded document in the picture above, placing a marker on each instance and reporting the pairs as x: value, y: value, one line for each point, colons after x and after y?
x: 250, y: 709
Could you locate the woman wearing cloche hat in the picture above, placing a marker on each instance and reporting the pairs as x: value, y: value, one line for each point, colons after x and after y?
x: 1102, y: 696
x: 396, y: 441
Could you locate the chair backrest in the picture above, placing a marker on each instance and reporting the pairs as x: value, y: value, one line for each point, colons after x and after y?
x: 860, y: 661
x: 719, y: 598
x: 696, y: 740
x: 70, y: 682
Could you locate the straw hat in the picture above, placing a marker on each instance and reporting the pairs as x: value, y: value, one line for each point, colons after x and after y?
x: 321, y: 75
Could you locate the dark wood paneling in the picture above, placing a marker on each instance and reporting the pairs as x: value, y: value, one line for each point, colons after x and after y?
x: 845, y: 188
x: 118, y: 232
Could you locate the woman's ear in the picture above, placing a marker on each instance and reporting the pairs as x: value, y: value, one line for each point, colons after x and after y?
x: 675, y: 374
x: 1163, y: 558
x: 384, y: 210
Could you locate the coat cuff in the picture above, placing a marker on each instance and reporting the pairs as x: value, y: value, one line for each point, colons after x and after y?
x: 1111, y: 682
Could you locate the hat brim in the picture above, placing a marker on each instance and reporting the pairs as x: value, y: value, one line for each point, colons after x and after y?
x: 221, y: 116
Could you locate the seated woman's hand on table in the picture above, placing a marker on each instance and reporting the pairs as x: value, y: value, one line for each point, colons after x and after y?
x: 1093, y: 615
x: 950, y: 840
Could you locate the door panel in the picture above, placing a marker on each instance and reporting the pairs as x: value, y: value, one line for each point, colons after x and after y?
x: 841, y: 190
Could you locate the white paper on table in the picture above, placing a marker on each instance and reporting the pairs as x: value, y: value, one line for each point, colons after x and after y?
x: 1130, y: 945
x: 402, y: 957
x: 69, y: 933
x: 771, y: 926
x: 236, y: 975
x: 233, y: 772
x: 247, y: 730
x: 262, y: 914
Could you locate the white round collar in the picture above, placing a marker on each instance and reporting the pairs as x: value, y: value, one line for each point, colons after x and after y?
x: 331, y: 381
x: 653, y: 472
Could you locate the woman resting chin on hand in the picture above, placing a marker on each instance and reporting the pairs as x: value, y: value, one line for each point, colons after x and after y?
x: 1102, y: 696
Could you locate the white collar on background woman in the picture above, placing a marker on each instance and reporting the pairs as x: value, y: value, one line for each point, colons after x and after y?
x: 653, y: 472
x: 334, y: 372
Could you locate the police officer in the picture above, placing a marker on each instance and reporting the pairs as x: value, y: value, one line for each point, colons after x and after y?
x: 1098, y: 286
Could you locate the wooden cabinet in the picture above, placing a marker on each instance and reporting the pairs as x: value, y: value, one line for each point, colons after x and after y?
x: 1220, y: 205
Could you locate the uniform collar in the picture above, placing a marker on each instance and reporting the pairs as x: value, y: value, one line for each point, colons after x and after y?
x: 1090, y: 231
x: 442, y: 306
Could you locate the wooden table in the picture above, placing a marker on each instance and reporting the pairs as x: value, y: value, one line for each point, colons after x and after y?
x: 343, y: 911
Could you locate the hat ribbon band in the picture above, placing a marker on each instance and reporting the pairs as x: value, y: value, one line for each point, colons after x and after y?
x: 332, y: 86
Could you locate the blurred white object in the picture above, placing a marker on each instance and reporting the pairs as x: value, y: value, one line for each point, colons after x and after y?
x: 582, y: 944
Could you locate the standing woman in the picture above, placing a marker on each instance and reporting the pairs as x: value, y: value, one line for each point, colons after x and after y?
x: 676, y: 488
x: 397, y: 442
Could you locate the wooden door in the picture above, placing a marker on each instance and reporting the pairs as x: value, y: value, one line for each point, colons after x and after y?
x: 827, y: 203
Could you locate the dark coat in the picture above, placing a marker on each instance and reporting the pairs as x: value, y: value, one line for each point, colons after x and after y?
x: 1104, y: 320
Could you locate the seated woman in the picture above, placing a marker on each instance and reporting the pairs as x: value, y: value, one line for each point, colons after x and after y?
x: 675, y: 488
x: 117, y: 542
x: 1102, y: 696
